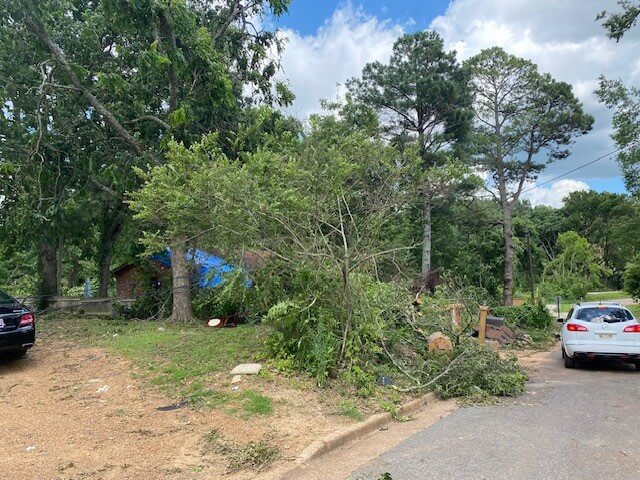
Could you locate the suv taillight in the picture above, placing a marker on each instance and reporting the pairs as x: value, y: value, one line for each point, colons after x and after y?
x: 27, y: 319
x: 574, y: 327
x: 632, y: 329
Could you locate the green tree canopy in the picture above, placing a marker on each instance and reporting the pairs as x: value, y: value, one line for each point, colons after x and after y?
x: 577, y: 268
x: 422, y: 98
x: 618, y: 23
x: 524, y: 120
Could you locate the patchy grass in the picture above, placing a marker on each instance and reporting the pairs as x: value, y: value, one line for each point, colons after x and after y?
x: 191, y: 363
x: 348, y: 409
x: 606, y: 296
x: 181, y: 360
x: 592, y: 297
x: 256, y: 404
x: 254, y: 455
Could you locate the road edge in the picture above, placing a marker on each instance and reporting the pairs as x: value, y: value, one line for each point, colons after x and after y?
x: 346, y: 435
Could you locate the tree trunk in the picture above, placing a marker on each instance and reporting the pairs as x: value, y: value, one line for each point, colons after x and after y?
x: 509, y: 256
x: 182, y: 310
x: 105, y: 270
x: 48, y: 265
x: 59, y: 256
x: 112, y: 227
x: 348, y: 308
x: 72, y: 274
x: 426, y: 238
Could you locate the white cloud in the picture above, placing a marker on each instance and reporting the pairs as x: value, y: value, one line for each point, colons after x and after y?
x: 317, y: 66
x: 554, y: 195
x: 564, y: 39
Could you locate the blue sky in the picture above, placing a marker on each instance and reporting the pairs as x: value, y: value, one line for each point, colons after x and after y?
x: 331, y: 40
x: 306, y: 16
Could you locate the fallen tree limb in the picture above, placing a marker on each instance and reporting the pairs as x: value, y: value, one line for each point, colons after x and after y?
x: 397, y: 364
x: 434, y: 379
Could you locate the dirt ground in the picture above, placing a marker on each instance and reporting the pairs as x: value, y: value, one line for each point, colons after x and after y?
x: 71, y: 413
x: 74, y: 413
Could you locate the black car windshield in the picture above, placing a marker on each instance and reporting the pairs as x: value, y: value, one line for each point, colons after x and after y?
x: 607, y: 314
x: 4, y: 298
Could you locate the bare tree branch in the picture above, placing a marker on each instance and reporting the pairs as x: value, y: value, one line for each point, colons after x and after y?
x: 150, y: 118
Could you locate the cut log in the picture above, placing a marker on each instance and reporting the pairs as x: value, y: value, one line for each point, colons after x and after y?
x: 439, y: 342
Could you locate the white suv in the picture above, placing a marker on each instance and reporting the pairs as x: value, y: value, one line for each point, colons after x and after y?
x: 600, y: 330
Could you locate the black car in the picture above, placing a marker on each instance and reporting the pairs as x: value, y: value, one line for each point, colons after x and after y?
x: 17, y: 326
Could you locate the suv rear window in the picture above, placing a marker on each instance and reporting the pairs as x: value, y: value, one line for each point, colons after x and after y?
x: 608, y: 314
x: 4, y: 298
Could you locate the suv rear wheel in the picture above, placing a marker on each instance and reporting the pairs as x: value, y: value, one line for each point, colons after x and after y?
x: 568, y: 361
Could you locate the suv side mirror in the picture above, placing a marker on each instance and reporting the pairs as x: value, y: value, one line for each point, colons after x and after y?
x: 560, y: 320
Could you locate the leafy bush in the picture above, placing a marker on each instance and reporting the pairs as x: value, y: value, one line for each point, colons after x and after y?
x: 232, y: 298
x: 303, y: 337
x: 632, y: 278
x: 309, y: 334
x: 577, y: 269
x: 387, y: 335
x: 478, y: 370
x: 527, y: 317
x: 567, y: 286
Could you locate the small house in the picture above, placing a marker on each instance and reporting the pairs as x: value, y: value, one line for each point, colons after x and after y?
x: 133, y: 279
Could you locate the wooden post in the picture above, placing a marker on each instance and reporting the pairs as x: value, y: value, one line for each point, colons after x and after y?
x: 482, y: 327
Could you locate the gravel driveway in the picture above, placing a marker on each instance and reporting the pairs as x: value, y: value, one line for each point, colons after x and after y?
x: 571, y: 424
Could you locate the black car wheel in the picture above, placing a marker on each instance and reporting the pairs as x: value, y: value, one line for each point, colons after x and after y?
x: 568, y: 361
x: 13, y: 356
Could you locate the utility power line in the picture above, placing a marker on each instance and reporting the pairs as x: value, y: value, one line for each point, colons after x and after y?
x: 574, y: 170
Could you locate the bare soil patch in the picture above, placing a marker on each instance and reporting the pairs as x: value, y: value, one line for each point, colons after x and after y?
x: 79, y: 413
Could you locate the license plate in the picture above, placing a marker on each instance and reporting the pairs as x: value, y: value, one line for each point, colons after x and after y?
x: 605, y: 336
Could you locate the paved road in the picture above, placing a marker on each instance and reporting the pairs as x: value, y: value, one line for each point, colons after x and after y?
x: 571, y: 424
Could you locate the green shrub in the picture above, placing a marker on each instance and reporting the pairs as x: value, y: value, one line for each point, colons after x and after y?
x: 303, y: 337
x: 576, y: 269
x: 632, y: 278
x: 232, y: 298
x: 318, y: 336
x: 481, y: 372
x: 526, y: 317
x: 567, y: 286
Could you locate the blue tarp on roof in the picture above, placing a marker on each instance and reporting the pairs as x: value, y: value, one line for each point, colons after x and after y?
x: 211, y: 269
